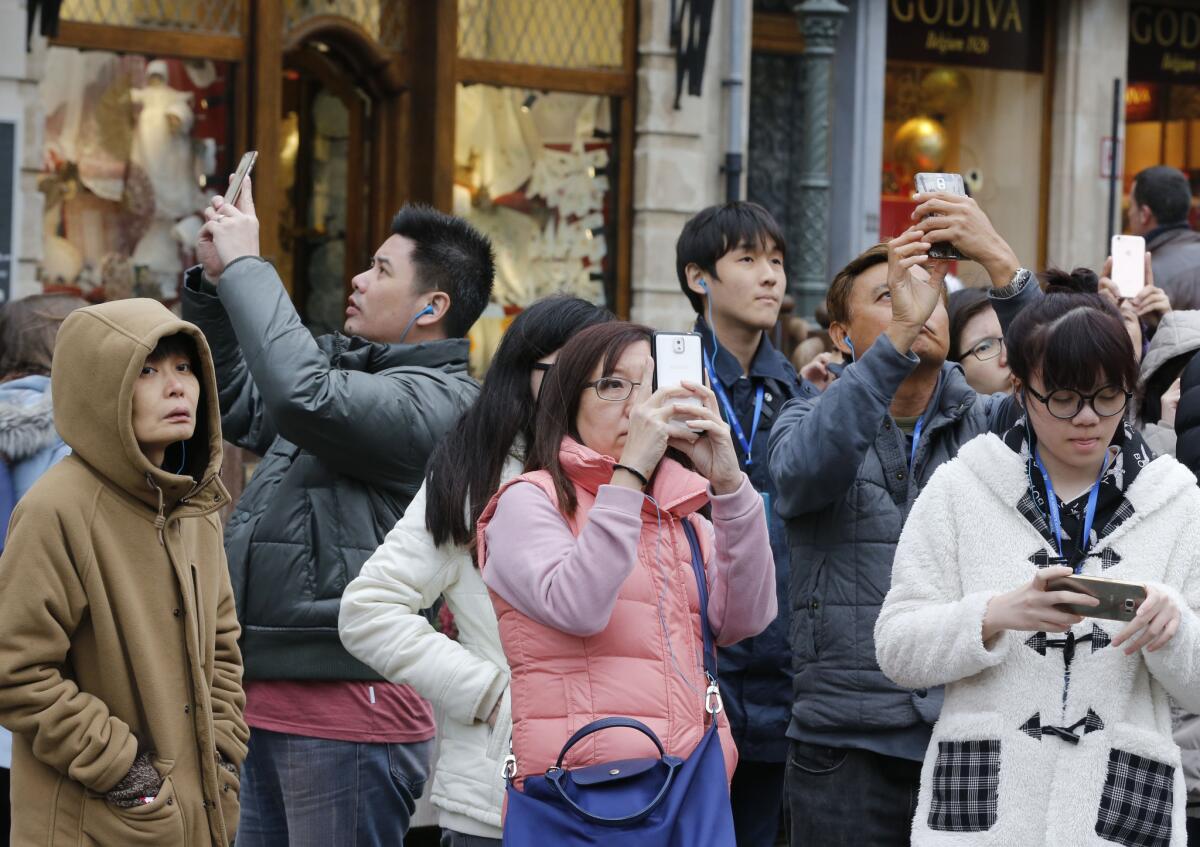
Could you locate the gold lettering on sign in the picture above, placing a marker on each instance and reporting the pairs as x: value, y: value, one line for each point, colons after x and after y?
x: 1002, y: 15
x: 1178, y: 64
x: 1165, y: 27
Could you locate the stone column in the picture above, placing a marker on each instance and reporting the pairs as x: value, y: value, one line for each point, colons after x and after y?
x: 820, y: 21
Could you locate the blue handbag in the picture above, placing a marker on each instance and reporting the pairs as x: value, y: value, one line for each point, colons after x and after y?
x: 657, y: 802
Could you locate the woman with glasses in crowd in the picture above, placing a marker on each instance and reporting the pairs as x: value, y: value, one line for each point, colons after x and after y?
x: 1056, y: 727
x: 590, y: 566
x: 429, y: 555
x: 977, y: 342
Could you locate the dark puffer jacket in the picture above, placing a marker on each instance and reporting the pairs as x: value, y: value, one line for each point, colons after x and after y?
x: 841, y: 467
x: 344, y: 427
x: 1187, y: 417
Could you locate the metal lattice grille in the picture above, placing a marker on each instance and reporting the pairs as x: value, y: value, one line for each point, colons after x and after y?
x: 382, y: 19
x: 556, y: 33
x: 210, y: 16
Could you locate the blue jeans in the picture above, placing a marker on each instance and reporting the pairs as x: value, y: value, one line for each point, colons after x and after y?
x: 313, y: 792
x: 450, y: 838
x: 849, y: 798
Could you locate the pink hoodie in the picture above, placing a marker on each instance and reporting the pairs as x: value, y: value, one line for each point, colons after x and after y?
x: 579, y: 613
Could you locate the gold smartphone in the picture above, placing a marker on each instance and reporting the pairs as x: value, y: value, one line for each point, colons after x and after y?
x: 244, y: 168
x: 1119, y: 600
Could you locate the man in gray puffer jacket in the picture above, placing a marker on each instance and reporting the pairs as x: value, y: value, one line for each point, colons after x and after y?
x: 345, y: 424
x: 848, y: 466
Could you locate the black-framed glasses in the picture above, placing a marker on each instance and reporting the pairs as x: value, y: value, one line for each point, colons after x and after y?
x: 612, y: 388
x: 542, y: 366
x: 986, y: 349
x: 1066, y: 403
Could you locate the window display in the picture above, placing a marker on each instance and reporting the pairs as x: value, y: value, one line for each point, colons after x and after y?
x: 532, y: 172
x: 965, y: 93
x: 1162, y: 99
x: 131, y: 147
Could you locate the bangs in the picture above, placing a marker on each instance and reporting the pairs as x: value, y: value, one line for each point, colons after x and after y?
x: 179, y: 344
x: 1085, y: 349
x: 747, y: 230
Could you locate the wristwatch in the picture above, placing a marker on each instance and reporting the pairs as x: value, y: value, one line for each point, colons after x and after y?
x: 1015, y: 285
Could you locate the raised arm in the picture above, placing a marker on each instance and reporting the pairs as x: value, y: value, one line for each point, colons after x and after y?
x: 741, y: 567
x: 538, y: 565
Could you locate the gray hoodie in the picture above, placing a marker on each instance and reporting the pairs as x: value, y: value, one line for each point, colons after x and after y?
x: 1179, y: 333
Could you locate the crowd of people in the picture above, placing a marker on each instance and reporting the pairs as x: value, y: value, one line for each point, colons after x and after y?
x: 828, y: 598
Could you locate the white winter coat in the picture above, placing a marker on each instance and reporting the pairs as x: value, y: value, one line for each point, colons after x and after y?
x: 380, y: 624
x: 964, y: 543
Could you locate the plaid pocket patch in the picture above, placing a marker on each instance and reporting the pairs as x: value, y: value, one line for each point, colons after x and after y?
x: 966, y: 782
x: 1135, y: 808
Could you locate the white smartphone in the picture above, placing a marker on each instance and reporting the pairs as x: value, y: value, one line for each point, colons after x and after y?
x: 244, y: 168
x: 1129, y: 264
x: 678, y: 358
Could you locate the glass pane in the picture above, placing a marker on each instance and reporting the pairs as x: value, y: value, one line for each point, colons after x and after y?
x: 559, y: 33
x: 214, y: 16
x: 132, y: 148
x: 534, y: 171
x: 382, y: 19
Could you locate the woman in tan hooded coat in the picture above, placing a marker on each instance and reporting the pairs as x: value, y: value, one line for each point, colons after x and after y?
x: 120, y: 674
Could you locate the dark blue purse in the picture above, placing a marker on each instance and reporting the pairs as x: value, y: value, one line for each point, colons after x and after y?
x: 659, y: 802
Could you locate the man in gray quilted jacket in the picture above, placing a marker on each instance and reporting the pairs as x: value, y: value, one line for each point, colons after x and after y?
x: 848, y: 465
x: 344, y: 425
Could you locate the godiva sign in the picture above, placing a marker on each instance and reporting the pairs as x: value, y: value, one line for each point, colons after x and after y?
x: 1164, y: 43
x: 1005, y: 34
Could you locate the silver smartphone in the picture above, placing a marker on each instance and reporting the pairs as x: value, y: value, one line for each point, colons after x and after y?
x: 942, y: 184
x: 1119, y: 600
x: 243, y: 171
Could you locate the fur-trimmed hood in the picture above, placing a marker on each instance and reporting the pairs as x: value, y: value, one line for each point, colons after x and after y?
x: 26, y: 418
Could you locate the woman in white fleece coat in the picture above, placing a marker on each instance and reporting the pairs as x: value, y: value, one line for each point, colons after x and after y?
x: 1056, y: 728
x: 429, y: 555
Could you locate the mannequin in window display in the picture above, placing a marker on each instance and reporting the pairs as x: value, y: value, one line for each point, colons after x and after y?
x: 163, y: 148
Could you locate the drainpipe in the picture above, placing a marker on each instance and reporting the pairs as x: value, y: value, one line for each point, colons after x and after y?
x: 735, y: 90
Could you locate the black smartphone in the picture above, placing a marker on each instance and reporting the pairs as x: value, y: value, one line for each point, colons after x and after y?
x: 942, y: 184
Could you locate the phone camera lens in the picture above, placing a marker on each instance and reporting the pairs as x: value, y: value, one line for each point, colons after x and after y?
x: 1128, y: 604
x: 678, y: 345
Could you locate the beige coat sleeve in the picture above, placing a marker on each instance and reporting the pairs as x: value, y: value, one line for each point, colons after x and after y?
x: 228, y: 699
x: 42, y: 601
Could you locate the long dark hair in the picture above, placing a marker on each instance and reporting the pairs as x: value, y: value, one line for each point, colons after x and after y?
x: 465, y: 468
x: 1072, y: 337
x: 562, y: 391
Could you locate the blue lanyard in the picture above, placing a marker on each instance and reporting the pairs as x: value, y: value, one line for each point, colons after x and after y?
x: 912, y: 456
x: 1089, y: 514
x: 734, y: 423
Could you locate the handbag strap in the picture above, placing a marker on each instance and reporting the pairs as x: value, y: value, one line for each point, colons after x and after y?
x: 712, y: 696
x: 608, y: 723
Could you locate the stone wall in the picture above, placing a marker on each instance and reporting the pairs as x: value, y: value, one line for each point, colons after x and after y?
x: 677, y: 159
x: 1092, y: 50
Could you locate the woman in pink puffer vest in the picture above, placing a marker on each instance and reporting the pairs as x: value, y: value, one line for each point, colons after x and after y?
x: 589, y: 567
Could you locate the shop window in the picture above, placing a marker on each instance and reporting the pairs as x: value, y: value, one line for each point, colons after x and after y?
x: 558, y: 33
x: 965, y: 93
x: 211, y: 16
x: 1162, y: 98
x: 532, y: 171
x: 383, y: 20
x: 133, y: 145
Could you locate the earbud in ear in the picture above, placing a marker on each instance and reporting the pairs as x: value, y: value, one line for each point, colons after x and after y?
x: 850, y: 344
x: 428, y: 310
x: 703, y: 284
